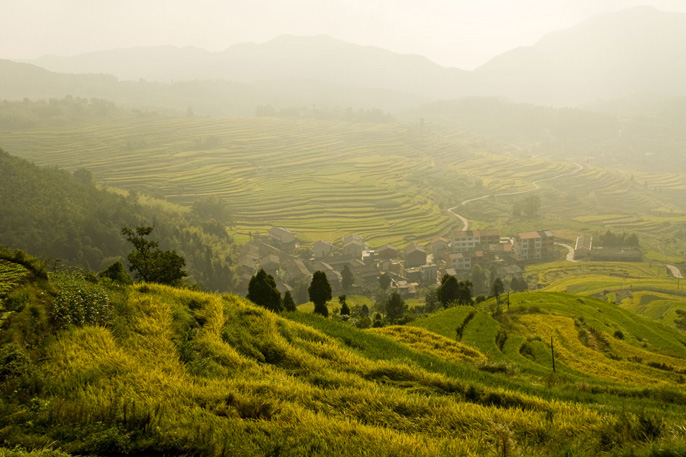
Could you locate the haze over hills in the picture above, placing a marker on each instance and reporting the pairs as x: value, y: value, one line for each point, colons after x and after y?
x: 636, y: 51
x: 288, y: 57
x: 207, y: 98
x: 633, y: 52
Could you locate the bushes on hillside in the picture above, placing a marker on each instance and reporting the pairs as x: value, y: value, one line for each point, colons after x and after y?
x: 79, y: 302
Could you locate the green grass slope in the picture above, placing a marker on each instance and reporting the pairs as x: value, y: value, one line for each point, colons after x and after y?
x: 645, y: 288
x: 92, y: 368
x: 595, y: 342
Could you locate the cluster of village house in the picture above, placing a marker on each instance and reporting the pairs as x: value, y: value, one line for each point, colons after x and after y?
x: 409, y: 268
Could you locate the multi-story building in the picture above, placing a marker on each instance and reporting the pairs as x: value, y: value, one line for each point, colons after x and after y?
x: 458, y: 261
x: 534, y: 245
x: 472, y: 240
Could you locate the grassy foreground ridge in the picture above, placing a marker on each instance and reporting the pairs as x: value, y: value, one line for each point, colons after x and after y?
x: 93, y: 368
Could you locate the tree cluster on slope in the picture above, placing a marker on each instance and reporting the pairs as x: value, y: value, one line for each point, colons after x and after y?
x: 56, y: 215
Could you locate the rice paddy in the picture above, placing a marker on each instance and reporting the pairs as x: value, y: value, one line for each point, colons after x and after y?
x: 391, y: 183
x: 320, y: 179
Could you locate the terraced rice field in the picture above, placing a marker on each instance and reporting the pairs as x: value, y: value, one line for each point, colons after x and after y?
x: 325, y: 179
x: 320, y: 179
x: 596, y: 277
x: 643, y: 288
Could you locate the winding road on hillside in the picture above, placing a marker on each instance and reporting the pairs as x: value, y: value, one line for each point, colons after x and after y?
x: 535, y: 184
x: 570, y: 252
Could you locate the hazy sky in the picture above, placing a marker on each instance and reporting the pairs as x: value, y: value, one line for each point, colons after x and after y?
x: 459, y: 33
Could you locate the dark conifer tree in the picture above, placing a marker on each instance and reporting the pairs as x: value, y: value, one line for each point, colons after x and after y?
x: 288, y: 303
x: 263, y: 292
x: 320, y: 293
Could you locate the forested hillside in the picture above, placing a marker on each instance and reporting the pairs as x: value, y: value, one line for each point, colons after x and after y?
x: 67, y: 220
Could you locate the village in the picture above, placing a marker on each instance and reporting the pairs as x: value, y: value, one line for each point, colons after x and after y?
x: 282, y: 255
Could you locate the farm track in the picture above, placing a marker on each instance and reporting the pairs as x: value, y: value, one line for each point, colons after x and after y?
x: 675, y: 272
x: 570, y: 252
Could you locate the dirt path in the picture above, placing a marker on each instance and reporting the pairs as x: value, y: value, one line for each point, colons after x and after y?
x: 570, y: 252
x: 675, y: 272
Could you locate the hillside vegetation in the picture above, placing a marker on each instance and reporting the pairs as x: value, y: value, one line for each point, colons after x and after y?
x: 90, y: 367
x: 70, y: 221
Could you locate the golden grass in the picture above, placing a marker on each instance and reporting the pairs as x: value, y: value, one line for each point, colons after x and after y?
x: 431, y: 343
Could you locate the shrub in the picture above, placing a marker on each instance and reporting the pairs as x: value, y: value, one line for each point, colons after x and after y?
x: 80, y: 302
x: 527, y: 350
x: 583, y: 336
x: 363, y: 322
x: 501, y: 338
x: 13, y: 362
x: 117, y: 273
x: 16, y: 300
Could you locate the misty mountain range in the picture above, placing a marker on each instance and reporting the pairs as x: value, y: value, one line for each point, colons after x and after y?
x: 636, y: 52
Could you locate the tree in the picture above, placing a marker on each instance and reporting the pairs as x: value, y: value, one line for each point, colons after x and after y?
x: 498, y: 288
x: 395, y: 307
x: 431, y: 301
x: 384, y: 281
x: 364, y: 311
x: 212, y: 208
x: 449, y: 290
x: 464, y: 296
x: 263, y: 292
x: 320, y: 293
x: 85, y: 176
x: 528, y: 206
x: 288, y: 303
x: 300, y: 291
x: 479, y: 280
x: 532, y: 204
x: 117, y: 273
x: 347, y: 278
x: 150, y: 263
x: 518, y: 284
x: 345, y: 309
x: 514, y: 284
